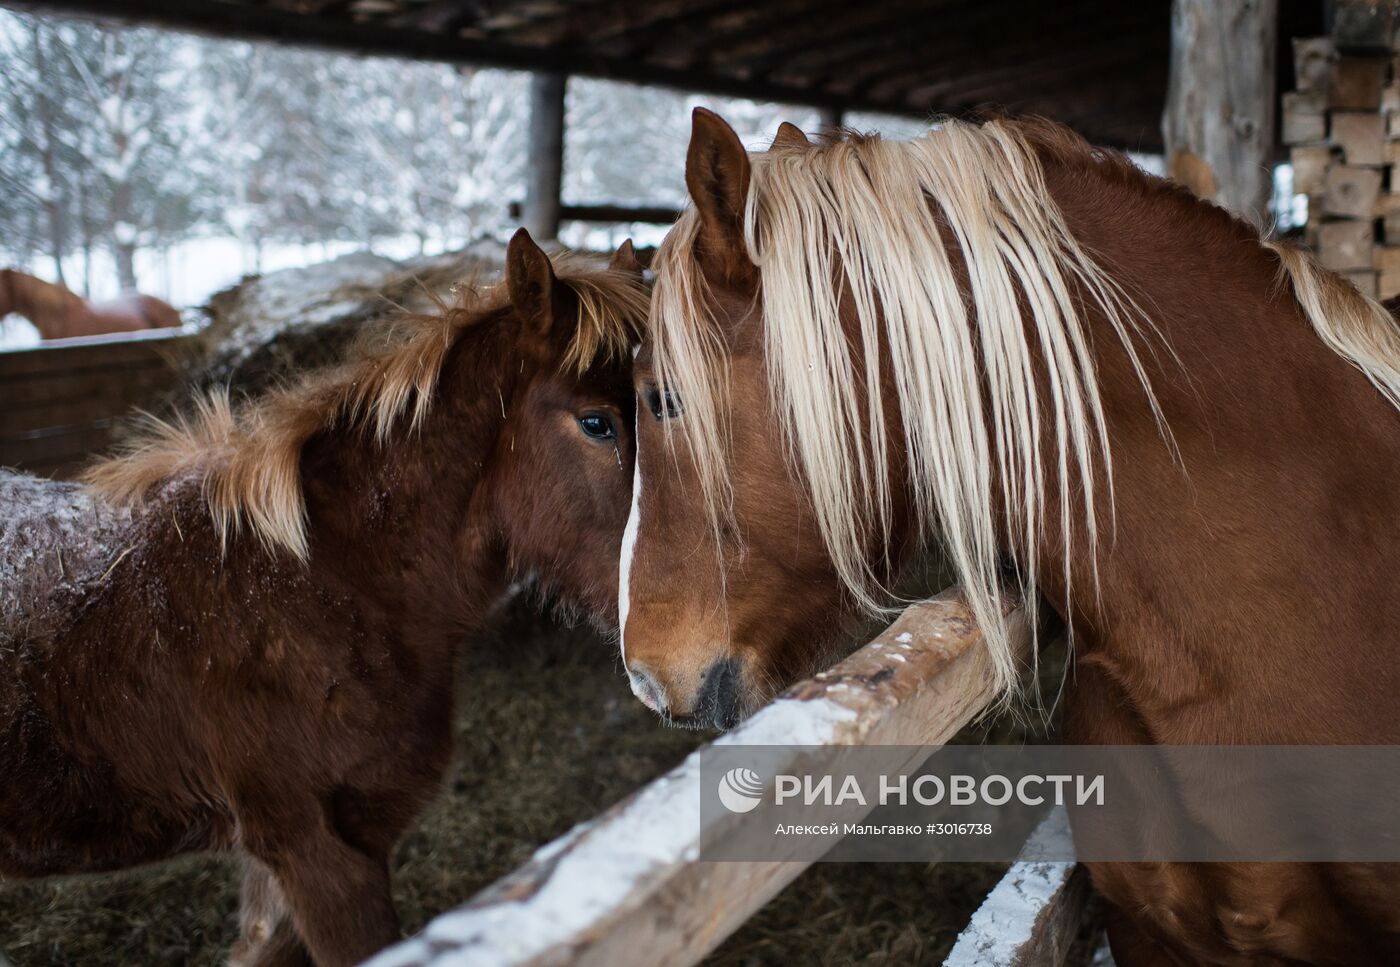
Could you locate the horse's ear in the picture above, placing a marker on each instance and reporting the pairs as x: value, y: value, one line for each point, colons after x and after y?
x: 790, y: 136
x: 625, y: 259
x: 717, y: 174
x: 531, y: 280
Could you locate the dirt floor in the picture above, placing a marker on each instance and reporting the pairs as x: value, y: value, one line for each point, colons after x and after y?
x: 548, y: 735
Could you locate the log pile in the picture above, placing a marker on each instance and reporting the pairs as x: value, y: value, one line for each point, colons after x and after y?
x: 1342, y: 126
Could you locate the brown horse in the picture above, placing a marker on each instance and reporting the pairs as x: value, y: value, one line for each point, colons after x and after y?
x: 59, y: 313
x: 1062, y: 370
x: 259, y: 655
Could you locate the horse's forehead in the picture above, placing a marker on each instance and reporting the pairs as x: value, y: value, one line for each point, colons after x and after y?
x: 738, y: 315
x: 607, y: 380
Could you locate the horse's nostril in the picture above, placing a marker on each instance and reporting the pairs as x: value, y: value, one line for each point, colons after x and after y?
x: 718, y: 701
x: 646, y: 688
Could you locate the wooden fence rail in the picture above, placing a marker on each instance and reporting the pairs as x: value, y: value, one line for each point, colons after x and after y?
x: 1032, y: 916
x: 626, y: 886
x: 65, y: 399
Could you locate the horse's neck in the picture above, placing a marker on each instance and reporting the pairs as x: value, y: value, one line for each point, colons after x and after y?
x: 403, y: 518
x: 1260, y: 570
x: 46, y: 305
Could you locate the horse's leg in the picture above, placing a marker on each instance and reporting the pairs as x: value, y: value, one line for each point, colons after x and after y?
x: 340, y: 900
x: 267, y: 936
x: 1130, y: 946
x: 338, y: 895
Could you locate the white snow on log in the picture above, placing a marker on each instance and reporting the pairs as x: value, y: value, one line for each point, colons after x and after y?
x: 790, y: 721
x: 628, y: 880
x: 614, y: 857
x: 611, y: 859
x: 1007, y: 927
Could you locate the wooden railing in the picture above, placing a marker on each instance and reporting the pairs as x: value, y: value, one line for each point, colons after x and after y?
x: 627, y: 887
x: 63, y: 400
x: 1031, y: 917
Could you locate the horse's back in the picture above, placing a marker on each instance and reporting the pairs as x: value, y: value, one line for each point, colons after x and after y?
x: 53, y: 535
x: 132, y: 310
x: 158, y: 313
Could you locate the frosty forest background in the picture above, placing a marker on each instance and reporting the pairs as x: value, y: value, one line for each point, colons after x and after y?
x: 142, y: 159
x: 136, y: 158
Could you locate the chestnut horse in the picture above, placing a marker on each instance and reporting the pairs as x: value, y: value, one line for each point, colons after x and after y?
x: 59, y: 313
x: 247, y: 638
x: 1063, y: 370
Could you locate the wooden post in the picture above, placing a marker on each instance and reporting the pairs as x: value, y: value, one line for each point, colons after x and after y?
x: 830, y: 117
x: 545, y: 167
x: 1218, y: 127
x: 1033, y: 914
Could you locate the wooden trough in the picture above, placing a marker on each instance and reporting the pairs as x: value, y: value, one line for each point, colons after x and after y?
x: 628, y: 887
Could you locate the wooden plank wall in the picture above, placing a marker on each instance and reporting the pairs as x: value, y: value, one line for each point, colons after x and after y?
x: 64, y: 400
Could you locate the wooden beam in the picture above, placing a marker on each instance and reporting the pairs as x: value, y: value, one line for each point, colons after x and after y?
x: 764, y: 36
x: 544, y: 168
x: 434, y: 15
x: 616, y: 21
x: 1218, y: 127
x: 1015, y: 85
x: 647, y: 214
x: 1031, y: 917
x: 629, y: 881
x: 857, y: 64
x: 228, y: 20
x: 1044, y: 48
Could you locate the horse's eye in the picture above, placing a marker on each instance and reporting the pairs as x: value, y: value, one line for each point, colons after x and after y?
x: 597, y: 426
x: 663, y: 406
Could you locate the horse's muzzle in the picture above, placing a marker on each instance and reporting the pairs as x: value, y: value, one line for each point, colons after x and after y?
x: 716, y: 704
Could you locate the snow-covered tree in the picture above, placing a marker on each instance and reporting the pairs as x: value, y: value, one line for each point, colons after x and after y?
x: 131, y: 140
x: 36, y: 132
x: 131, y: 86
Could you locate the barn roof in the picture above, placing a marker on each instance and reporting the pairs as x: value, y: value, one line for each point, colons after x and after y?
x: 1099, y: 65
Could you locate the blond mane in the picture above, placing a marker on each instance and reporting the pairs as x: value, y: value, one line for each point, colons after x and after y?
x: 248, y: 458
x: 853, y: 218
x: 1360, y: 330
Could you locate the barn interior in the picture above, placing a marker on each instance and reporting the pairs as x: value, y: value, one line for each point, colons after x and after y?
x: 533, y: 762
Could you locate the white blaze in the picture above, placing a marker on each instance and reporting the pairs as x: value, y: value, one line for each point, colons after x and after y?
x: 629, y: 538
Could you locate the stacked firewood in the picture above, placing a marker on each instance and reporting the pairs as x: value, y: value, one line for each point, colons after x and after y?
x: 1342, y: 126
